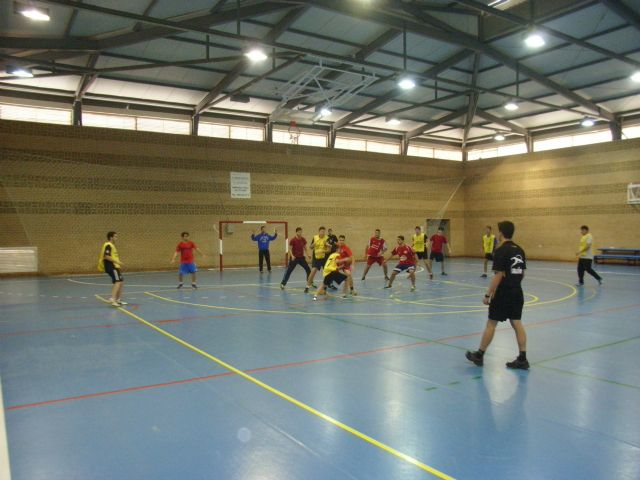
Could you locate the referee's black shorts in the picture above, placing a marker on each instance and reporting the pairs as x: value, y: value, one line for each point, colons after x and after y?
x: 506, y: 304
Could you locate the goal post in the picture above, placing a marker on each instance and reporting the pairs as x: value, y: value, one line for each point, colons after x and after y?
x: 224, y: 223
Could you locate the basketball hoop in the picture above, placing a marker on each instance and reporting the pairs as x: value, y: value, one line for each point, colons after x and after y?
x: 294, y: 132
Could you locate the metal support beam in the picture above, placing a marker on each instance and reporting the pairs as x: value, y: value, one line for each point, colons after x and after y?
x: 87, y: 79
x: 616, y: 129
x: 431, y: 125
x: 268, y: 131
x: 550, y: 31
x: 628, y: 14
x: 195, y: 124
x: 332, y: 137
x: 501, y: 121
x: 528, y: 140
x: 230, y: 77
x: 77, y: 113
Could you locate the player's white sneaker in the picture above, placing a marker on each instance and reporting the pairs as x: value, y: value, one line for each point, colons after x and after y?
x: 315, y: 298
x: 114, y: 303
x: 120, y: 302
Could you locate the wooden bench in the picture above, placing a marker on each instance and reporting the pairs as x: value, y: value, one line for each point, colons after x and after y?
x: 625, y: 254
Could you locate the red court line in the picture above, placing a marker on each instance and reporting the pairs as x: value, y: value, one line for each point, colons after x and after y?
x: 292, y: 364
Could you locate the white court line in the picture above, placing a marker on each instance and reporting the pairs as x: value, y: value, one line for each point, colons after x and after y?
x: 5, y: 470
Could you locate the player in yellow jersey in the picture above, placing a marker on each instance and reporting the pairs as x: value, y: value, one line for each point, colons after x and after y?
x: 318, y: 255
x: 420, y: 241
x: 336, y: 270
x: 110, y: 263
x: 488, y: 245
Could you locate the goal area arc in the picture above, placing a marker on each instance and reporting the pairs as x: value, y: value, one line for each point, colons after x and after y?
x: 223, y: 223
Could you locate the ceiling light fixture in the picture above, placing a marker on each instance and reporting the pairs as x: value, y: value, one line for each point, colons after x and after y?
x: 511, y: 106
x: 256, y: 55
x: 393, y: 121
x: 33, y: 13
x: 19, y: 71
x: 533, y: 39
x: 406, y: 83
x: 587, y: 122
x: 325, y: 111
x: 499, y: 137
x: 636, y: 76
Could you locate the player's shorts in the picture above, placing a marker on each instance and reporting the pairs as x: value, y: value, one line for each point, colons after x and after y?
x: 372, y: 260
x: 337, y: 277
x: 437, y: 256
x: 506, y: 304
x: 318, y: 263
x: 421, y: 255
x: 113, y: 272
x: 488, y: 256
x: 404, y: 268
x: 186, y: 268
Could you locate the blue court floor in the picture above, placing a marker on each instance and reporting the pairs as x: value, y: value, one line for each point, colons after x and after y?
x: 242, y: 380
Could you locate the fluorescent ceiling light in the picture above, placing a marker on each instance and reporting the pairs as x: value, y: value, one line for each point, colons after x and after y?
x: 495, y: 3
x: 587, y: 122
x: 33, y: 13
x: 499, y: 137
x: 534, y: 40
x: 326, y: 111
x: 393, y: 121
x: 256, y: 55
x: 636, y: 77
x: 511, y: 106
x: 20, y: 72
x: 406, y: 83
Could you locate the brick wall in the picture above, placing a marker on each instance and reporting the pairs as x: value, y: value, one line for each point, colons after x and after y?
x: 548, y: 195
x: 64, y: 187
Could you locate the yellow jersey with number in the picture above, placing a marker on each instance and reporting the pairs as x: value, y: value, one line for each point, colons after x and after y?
x: 319, y: 244
x: 419, y: 244
x: 488, y: 242
x: 113, y: 252
x: 331, y: 265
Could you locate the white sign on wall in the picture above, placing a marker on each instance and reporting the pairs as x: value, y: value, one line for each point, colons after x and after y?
x: 240, y: 185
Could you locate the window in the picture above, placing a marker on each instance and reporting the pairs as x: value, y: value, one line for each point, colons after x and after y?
x: 455, y: 155
x: 305, y: 138
x: 247, y: 133
x: 417, y: 151
x: 351, y: 144
x: 572, y: 140
x: 213, y: 130
x: 631, y: 132
x: 108, y: 121
x: 35, y: 114
x: 515, y: 149
x: 163, y: 126
x: 383, y: 147
x: 367, y: 145
x: 499, y: 151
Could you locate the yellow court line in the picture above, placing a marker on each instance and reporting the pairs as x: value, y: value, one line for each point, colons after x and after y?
x: 294, y: 312
x: 290, y: 399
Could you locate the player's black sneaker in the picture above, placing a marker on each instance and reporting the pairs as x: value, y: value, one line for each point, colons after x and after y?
x: 387, y: 286
x: 282, y: 286
x: 475, y: 357
x: 179, y: 285
x: 332, y: 287
x: 306, y: 289
x: 194, y: 286
x: 444, y: 273
x: 519, y: 363
x: 484, y: 275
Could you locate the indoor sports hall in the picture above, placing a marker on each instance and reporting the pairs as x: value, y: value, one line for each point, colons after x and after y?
x: 161, y: 163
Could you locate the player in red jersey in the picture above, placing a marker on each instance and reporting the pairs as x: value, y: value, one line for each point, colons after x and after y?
x: 345, y: 259
x: 436, y: 244
x: 185, y: 248
x: 374, y: 253
x: 407, y: 262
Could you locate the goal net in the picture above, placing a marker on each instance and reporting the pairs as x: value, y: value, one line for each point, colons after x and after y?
x: 237, y: 247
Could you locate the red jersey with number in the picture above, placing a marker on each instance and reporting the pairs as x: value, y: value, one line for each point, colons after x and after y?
x: 376, y: 245
x: 437, y: 241
x: 406, y: 252
x: 345, y: 252
x: 297, y: 246
x: 186, y: 251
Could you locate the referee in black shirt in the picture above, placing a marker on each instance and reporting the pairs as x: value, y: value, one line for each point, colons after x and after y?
x: 505, y: 297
